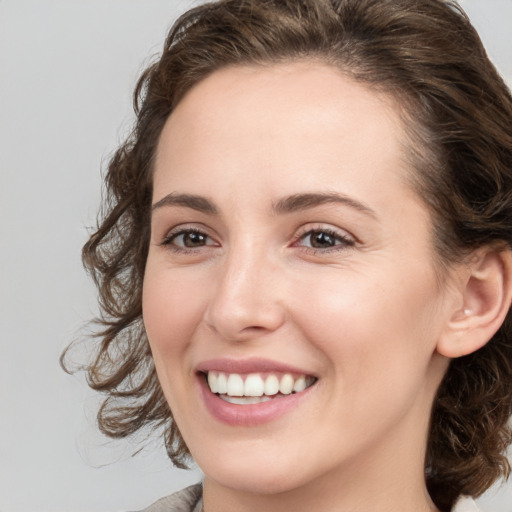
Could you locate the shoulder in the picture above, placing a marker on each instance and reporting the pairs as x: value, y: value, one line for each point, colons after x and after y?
x: 465, y: 504
x: 186, y: 500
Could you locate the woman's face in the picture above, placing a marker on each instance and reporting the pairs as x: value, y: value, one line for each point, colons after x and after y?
x: 288, y: 250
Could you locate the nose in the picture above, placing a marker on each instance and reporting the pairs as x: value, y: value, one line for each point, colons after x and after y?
x: 246, y: 302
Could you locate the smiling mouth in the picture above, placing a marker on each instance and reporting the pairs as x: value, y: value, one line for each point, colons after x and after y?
x: 255, y: 388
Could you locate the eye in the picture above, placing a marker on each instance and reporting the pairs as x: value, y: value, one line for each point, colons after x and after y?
x: 324, y: 240
x: 187, y: 239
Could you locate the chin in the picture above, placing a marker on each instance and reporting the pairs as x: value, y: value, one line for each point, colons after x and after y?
x: 260, y: 483
x: 255, y: 476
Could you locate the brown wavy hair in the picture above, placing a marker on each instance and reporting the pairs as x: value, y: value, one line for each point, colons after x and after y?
x: 458, y: 114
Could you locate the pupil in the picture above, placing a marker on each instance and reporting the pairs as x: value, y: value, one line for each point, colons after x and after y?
x: 322, y: 240
x: 193, y: 239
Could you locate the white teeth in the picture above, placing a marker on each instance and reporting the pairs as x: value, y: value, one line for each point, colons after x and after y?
x: 235, y: 385
x: 299, y: 385
x: 212, y: 382
x: 222, y: 383
x: 271, y: 385
x: 286, y: 384
x: 245, y: 400
x: 255, y: 386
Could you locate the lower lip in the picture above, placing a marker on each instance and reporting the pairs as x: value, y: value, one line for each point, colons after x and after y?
x: 252, y: 414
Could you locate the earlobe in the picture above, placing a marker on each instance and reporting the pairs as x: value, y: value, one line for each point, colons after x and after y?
x: 486, y: 295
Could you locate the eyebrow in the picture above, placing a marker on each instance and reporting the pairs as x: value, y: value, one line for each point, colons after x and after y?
x: 289, y: 204
x: 299, y: 202
x: 199, y: 203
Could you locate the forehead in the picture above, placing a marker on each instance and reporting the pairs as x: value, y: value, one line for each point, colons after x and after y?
x: 292, y: 122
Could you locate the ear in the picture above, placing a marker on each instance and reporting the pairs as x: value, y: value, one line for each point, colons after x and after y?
x: 484, y: 299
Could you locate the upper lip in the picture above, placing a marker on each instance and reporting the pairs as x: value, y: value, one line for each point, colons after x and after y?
x: 251, y: 365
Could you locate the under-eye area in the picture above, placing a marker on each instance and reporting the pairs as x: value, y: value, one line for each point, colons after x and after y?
x: 255, y: 388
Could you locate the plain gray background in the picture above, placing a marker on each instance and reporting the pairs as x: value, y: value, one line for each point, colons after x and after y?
x: 67, y: 70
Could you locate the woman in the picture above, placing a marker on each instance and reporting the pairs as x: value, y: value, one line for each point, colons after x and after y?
x: 305, y: 261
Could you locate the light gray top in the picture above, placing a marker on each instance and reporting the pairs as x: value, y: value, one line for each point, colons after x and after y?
x: 190, y: 499
x: 465, y: 504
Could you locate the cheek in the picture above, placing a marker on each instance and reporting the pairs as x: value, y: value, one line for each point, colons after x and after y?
x: 375, y: 328
x: 171, y: 312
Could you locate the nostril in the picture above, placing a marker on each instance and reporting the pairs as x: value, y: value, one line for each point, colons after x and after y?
x: 254, y: 328
x: 232, y: 328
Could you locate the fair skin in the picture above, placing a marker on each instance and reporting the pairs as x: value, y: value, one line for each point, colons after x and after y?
x: 339, y: 284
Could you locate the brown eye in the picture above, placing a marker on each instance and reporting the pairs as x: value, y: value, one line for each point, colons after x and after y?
x: 188, y: 239
x: 321, y: 239
x: 192, y: 239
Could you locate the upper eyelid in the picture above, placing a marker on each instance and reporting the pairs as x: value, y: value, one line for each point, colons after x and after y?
x: 173, y: 232
x: 187, y: 226
x: 320, y: 226
x: 178, y: 232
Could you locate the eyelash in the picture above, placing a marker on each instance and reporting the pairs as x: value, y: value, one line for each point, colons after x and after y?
x: 342, y: 241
